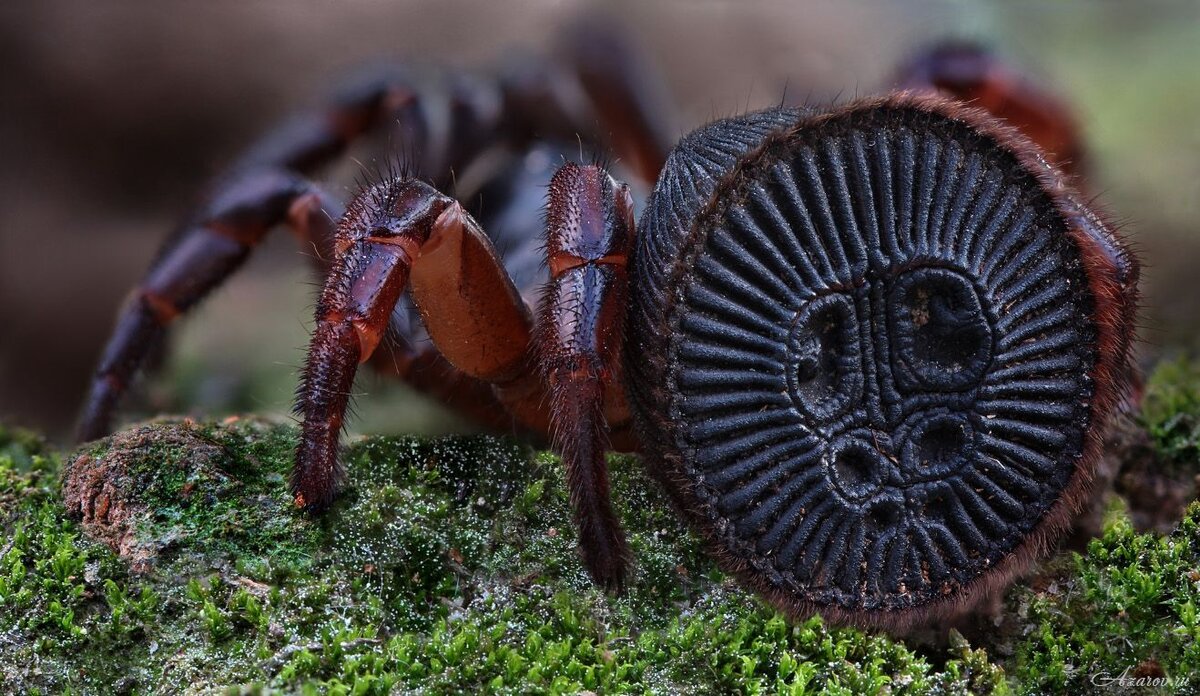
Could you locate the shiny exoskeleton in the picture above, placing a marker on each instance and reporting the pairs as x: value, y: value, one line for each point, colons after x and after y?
x: 870, y: 350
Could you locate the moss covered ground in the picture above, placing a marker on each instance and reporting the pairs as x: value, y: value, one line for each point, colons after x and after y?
x: 449, y: 566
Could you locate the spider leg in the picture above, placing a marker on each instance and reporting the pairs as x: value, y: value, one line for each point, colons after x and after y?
x: 263, y: 190
x: 403, y: 233
x: 589, y: 231
x: 627, y: 94
x: 234, y: 221
x: 972, y: 74
x: 605, y: 91
x: 266, y: 185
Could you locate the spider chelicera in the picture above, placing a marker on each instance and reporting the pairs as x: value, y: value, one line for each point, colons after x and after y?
x: 870, y: 350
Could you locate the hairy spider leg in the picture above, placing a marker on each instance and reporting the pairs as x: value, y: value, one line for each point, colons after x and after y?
x: 402, y: 233
x: 265, y: 189
x: 972, y: 74
x: 580, y: 325
x: 205, y: 252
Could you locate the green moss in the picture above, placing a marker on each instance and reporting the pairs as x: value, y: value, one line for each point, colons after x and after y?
x: 52, y: 600
x: 1171, y: 412
x: 1130, y: 602
x: 449, y: 565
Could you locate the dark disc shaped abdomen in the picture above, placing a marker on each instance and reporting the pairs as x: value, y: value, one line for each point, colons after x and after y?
x: 876, y: 355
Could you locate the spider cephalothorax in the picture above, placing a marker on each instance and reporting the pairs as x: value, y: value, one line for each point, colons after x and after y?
x: 870, y: 350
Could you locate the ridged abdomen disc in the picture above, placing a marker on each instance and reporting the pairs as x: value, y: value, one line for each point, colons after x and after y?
x: 867, y: 351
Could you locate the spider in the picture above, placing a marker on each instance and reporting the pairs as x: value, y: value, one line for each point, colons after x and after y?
x: 869, y: 349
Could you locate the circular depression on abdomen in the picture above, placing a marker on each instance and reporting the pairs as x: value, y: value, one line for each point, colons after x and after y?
x: 879, y: 364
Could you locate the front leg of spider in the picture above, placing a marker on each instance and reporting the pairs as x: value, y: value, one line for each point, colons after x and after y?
x: 589, y: 234
x: 397, y: 234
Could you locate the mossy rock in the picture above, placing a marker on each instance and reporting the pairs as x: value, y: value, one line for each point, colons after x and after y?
x: 449, y: 566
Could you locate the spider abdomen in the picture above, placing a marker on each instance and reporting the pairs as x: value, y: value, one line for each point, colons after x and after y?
x: 872, y: 350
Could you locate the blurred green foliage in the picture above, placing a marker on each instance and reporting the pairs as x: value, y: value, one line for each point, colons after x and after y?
x: 1171, y: 412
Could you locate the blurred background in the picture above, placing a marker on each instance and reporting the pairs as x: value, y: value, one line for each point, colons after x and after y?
x: 114, y: 115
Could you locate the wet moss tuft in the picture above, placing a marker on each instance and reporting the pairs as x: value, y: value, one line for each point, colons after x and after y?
x: 1131, y: 602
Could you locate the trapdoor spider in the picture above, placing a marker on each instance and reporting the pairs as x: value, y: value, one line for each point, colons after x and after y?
x: 870, y: 350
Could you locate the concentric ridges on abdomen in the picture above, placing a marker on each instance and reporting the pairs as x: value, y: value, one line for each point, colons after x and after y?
x: 845, y: 207
x: 692, y: 171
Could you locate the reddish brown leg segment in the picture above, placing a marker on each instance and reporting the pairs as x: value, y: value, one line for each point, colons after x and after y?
x: 202, y: 256
x: 375, y: 243
x: 476, y: 316
x: 264, y: 190
x: 314, y: 137
x: 481, y: 325
x: 401, y: 231
x: 589, y: 235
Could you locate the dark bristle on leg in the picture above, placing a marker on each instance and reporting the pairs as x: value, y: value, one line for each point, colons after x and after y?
x: 589, y: 234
